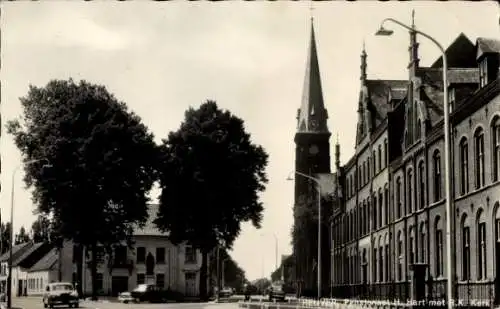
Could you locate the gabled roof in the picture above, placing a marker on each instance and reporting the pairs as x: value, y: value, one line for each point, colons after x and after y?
x: 459, y: 54
x: 30, y: 255
x: 487, y: 45
x: 47, y: 262
x: 150, y: 228
x: 381, y: 92
x: 17, y: 250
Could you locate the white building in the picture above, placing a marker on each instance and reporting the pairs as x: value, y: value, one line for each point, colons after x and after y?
x: 153, y: 259
x: 42, y: 273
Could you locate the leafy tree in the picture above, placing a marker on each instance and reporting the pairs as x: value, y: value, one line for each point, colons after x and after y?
x: 234, y: 275
x: 5, y: 230
x: 21, y: 237
x: 102, y: 163
x: 210, y: 176
x: 41, y: 229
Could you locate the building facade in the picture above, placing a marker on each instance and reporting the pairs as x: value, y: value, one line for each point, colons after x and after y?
x: 152, y: 259
x: 393, y: 206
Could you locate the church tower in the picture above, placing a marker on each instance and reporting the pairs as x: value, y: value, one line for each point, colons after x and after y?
x: 312, y: 156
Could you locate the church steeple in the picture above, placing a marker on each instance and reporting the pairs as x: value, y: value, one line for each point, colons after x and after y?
x: 413, y: 49
x: 312, y: 115
x: 363, y: 65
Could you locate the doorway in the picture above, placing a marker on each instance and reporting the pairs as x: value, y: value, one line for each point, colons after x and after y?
x: 190, y: 281
x: 119, y: 284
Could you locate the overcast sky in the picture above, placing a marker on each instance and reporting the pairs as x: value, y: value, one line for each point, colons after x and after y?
x: 160, y: 58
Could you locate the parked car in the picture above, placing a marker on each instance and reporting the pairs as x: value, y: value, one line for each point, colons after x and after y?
x: 125, y: 297
x: 226, y: 292
x: 148, y: 293
x: 60, y: 294
x: 276, y: 291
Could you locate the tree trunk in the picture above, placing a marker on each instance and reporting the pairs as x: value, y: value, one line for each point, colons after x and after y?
x: 79, y: 270
x: 93, y: 270
x: 203, y: 275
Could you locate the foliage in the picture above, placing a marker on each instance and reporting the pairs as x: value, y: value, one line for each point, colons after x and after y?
x: 234, y: 275
x: 41, y: 229
x: 101, y: 162
x: 210, y: 176
x: 5, y: 230
x: 21, y: 237
x: 261, y: 284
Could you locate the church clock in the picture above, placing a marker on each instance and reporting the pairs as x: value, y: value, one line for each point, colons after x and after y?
x: 313, y: 149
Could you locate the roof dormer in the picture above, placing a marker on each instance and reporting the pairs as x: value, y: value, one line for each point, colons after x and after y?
x: 488, y: 60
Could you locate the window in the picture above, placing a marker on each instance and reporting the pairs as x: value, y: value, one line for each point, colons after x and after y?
x: 141, y: 255
x: 495, y: 136
x: 160, y: 255
x: 419, y: 129
x: 399, y: 212
x: 368, y: 170
x: 410, y: 192
x: 121, y: 255
x: 190, y: 255
x: 451, y: 99
x: 374, y: 156
x: 482, y: 259
x: 386, y: 204
x: 364, y: 173
x: 465, y: 253
x: 387, y: 265
x: 375, y: 258
x: 141, y: 278
x: 437, y: 175
x: 483, y: 73
x: 99, y: 282
x: 479, y: 149
x: 386, y: 153
x: 160, y: 280
x: 412, y: 247
x: 421, y: 181
x: 380, y: 206
x: 348, y: 188
x: 439, y: 252
x: 464, y: 166
x: 381, y: 264
x: 380, y: 157
x: 375, y: 215
x: 423, y: 244
x: 366, y: 203
x: 400, y: 257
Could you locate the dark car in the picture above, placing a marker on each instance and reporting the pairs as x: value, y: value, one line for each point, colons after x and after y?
x: 60, y: 294
x: 276, y: 291
x: 148, y: 293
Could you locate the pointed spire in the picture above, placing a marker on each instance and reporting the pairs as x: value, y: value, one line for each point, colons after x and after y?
x: 413, y: 49
x: 312, y: 114
x: 337, y: 153
x: 363, y: 64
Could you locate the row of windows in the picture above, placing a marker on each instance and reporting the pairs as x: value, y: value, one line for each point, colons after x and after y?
x: 373, y: 165
x: 354, y: 268
x: 120, y: 255
x: 36, y: 284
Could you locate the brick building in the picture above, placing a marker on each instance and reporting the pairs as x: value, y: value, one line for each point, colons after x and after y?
x: 393, y: 207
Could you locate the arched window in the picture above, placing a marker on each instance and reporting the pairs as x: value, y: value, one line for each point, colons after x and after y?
x: 410, y: 191
x: 380, y: 207
x: 421, y: 184
x: 366, y: 204
x: 464, y: 227
x: 464, y: 166
x: 386, y: 204
x: 495, y: 136
x: 481, y: 246
x: 375, y: 215
x: 399, y: 205
x: 400, y: 251
x: 381, y: 261
x: 387, y: 260
x: 364, y: 267
x: 386, y: 153
x: 368, y: 170
x: 436, y: 158
x: 438, y: 235
x: 423, y: 243
x: 479, y: 157
x: 362, y: 219
x: 419, y: 128
x: 374, y: 157
x: 379, y: 157
x: 375, y: 263
x: 412, y: 248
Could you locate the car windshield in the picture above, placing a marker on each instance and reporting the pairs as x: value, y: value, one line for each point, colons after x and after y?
x: 141, y: 288
x: 62, y: 287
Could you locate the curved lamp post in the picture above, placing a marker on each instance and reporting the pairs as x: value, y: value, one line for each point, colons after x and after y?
x: 449, y: 247
x: 9, y: 276
x: 318, y: 186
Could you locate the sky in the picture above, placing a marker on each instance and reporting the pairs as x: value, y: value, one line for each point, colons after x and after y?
x: 163, y: 57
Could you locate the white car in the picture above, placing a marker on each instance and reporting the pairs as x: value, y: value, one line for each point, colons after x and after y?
x: 126, y: 297
x: 60, y: 294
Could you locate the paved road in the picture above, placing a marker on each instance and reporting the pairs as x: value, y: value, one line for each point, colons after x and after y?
x: 36, y: 303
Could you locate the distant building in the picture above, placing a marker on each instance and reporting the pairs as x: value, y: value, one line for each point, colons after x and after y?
x: 154, y: 259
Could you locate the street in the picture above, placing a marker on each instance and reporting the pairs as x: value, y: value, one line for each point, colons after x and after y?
x: 36, y: 303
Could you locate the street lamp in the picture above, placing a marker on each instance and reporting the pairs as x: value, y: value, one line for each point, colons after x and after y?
x: 319, y: 224
x: 275, y: 249
x: 386, y: 32
x: 9, y: 277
